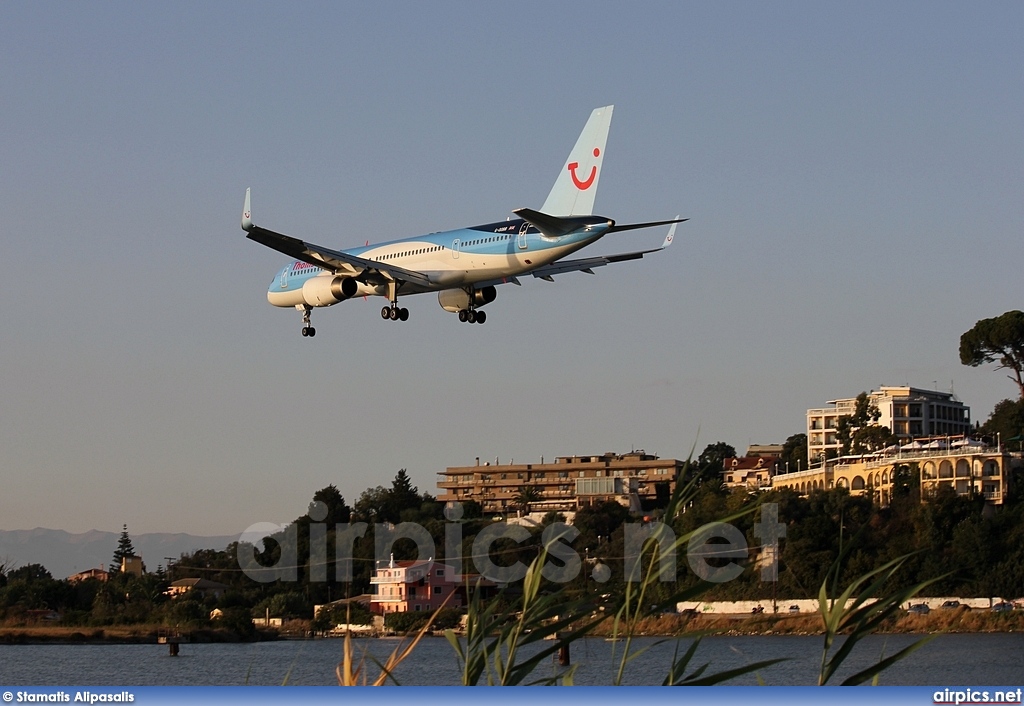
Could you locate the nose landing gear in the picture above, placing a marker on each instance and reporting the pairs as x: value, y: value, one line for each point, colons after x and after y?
x: 307, y: 329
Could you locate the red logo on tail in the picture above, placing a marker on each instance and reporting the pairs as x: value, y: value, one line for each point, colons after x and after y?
x: 584, y: 185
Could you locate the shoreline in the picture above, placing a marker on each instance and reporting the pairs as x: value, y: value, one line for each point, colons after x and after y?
x: 960, y: 620
x: 117, y: 635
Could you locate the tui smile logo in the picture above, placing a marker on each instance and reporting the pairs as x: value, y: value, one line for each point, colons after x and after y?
x: 584, y: 185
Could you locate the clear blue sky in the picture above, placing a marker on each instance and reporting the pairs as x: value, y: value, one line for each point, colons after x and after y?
x: 853, y: 174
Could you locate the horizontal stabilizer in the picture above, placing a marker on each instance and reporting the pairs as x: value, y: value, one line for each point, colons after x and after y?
x: 554, y: 226
x: 653, y: 224
x: 587, y: 264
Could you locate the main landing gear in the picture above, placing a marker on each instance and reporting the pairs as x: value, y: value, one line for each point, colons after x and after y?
x: 307, y: 329
x: 472, y: 316
x: 395, y: 313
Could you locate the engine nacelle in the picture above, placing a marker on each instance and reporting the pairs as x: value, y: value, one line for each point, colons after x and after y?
x: 325, y: 291
x: 455, y: 300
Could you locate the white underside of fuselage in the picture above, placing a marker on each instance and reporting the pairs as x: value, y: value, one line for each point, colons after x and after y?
x: 446, y: 269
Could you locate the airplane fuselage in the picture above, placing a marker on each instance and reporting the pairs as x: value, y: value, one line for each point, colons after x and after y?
x: 450, y: 259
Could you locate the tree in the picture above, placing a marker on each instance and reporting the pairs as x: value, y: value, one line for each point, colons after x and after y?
x: 382, y: 504
x: 873, y: 437
x: 337, y: 510
x: 860, y: 432
x: 404, y: 494
x: 371, y: 505
x: 715, y: 453
x: 794, y: 453
x: 1000, y: 338
x: 711, y: 462
x: 30, y: 573
x: 1006, y: 420
x: 525, y: 497
x: 124, y: 549
x: 598, y: 521
x: 906, y: 480
x: 6, y: 566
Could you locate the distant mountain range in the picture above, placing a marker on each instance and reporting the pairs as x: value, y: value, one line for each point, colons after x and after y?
x: 64, y: 554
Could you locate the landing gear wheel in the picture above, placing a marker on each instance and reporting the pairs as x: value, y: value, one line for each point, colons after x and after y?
x: 463, y: 315
x: 393, y: 313
x: 307, y: 328
x: 471, y: 316
x: 481, y: 317
x: 403, y: 314
x: 385, y: 312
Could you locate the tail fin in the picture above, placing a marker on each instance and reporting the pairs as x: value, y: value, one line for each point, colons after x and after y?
x: 576, y: 186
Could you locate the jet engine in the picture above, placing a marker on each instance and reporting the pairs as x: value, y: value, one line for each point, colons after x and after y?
x: 325, y: 291
x: 455, y: 300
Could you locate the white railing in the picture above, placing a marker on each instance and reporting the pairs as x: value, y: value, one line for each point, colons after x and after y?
x: 813, y: 471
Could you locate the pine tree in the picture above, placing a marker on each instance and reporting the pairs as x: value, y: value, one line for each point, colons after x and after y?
x: 402, y: 496
x: 124, y: 549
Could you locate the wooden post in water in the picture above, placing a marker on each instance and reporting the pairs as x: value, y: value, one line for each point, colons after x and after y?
x: 563, y: 653
x: 173, y: 642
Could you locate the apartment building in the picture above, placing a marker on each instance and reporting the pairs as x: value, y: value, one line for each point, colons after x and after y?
x: 636, y: 479
x: 908, y: 411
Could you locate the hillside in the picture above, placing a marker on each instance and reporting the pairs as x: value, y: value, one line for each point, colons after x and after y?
x: 64, y: 553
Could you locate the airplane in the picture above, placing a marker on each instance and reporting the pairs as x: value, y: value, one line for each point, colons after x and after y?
x: 464, y: 266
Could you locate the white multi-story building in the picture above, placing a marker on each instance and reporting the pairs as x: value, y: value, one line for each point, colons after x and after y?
x: 909, y: 412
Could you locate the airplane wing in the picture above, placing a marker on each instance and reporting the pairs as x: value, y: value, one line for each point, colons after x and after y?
x: 338, y: 262
x: 587, y: 264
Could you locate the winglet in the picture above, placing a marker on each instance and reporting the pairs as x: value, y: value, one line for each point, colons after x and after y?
x: 247, y: 224
x: 671, y: 235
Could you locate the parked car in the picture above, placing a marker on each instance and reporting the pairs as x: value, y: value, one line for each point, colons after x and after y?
x: 919, y: 609
x: 794, y: 609
x: 950, y: 605
x: 1002, y: 607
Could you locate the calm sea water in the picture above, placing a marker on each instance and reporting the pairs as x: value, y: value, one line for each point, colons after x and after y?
x: 962, y: 660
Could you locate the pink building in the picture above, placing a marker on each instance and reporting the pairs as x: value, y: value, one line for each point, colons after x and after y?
x: 403, y: 586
